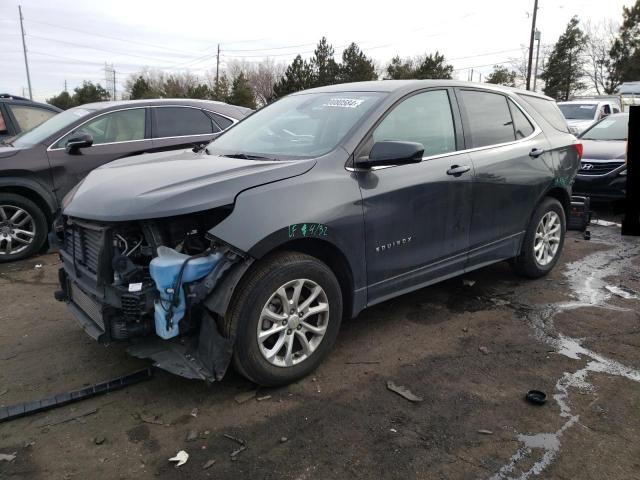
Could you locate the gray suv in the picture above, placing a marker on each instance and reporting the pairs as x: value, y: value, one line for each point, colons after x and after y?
x: 308, y: 211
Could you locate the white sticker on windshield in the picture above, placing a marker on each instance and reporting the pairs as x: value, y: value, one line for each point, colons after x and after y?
x: 586, y: 107
x: 343, y: 102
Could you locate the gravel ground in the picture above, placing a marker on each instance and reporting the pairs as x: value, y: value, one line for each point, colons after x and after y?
x: 470, y: 352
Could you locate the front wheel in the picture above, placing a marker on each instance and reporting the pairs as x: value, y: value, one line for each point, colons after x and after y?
x: 543, y: 240
x: 285, y: 317
x: 23, y: 227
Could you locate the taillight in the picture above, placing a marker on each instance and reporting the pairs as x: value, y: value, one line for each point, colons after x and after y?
x: 579, y: 149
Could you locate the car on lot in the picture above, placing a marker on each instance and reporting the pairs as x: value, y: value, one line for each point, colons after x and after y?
x: 581, y: 114
x: 39, y: 167
x: 19, y: 114
x: 603, y: 169
x: 311, y: 209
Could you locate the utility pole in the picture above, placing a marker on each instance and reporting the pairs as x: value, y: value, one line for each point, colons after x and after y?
x: 217, y: 66
x: 114, y: 83
x: 24, y: 50
x: 65, y: 85
x: 535, y: 71
x: 533, y: 30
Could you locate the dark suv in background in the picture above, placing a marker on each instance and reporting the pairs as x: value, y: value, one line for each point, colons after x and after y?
x: 313, y: 208
x: 19, y: 114
x: 39, y: 167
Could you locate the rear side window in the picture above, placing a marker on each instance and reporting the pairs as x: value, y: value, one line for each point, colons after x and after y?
x: 521, y: 124
x: 549, y: 110
x: 223, y: 122
x: 30, y: 117
x: 182, y: 121
x: 489, y: 118
x: 424, y: 118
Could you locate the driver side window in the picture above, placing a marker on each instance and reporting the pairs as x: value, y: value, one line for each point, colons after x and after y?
x: 120, y: 126
x: 424, y: 118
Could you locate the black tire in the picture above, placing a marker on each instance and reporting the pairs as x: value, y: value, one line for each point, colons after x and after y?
x: 38, y: 222
x: 526, y: 264
x: 253, y: 293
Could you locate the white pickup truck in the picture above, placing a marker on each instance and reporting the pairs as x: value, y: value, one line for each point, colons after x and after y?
x: 583, y: 113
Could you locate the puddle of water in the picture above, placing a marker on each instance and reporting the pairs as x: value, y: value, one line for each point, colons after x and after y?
x: 587, y: 281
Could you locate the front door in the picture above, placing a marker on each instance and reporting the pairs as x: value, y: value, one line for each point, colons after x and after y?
x: 116, y: 134
x: 417, y: 216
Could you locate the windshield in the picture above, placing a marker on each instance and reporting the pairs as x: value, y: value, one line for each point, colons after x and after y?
x: 574, y: 111
x: 298, y: 126
x: 611, y: 128
x: 50, y: 127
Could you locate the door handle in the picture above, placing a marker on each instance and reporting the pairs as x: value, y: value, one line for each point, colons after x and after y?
x: 457, y: 170
x: 536, y: 152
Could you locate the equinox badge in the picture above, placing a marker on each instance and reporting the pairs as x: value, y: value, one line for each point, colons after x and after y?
x: 402, y: 242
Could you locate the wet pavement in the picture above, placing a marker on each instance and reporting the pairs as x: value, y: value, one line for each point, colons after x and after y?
x: 470, y: 352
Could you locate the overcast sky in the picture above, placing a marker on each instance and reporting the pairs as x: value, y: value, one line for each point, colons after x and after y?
x: 72, y: 40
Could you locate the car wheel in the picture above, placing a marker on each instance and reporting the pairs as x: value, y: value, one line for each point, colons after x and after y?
x: 285, y: 318
x: 23, y: 227
x: 543, y: 240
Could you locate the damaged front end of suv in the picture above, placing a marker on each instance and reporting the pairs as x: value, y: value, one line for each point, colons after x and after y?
x: 160, y: 284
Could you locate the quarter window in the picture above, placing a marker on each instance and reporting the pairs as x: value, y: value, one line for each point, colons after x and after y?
x: 424, y: 118
x: 182, y: 121
x: 489, y: 118
x: 30, y: 117
x: 3, y: 125
x: 120, y: 126
x: 521, y: 124
x: 223, y: 122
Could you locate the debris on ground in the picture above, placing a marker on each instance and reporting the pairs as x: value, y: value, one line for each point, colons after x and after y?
x: 465, y: 329
x: 264, y: 397
x: 536, y: 397
x: 235, y: 439
x: 153, y: 419
x: 235, y: 453
x: 8, y: 457
x: 181, y: 458
x: 468, y: 283
x: 499, y: 302
x: 209, y: 464
x: 484, y: 350
x: 38, y: 265
x: 191, y: 435
x: 393, y: 430
x: 586, y: 235
x: 245, y: 396
x: 283, y: 439
x: 605, y: 223
x: 99, y: 440
x: 403, y: 392
x: 485, y: 432
x: 194, y: 412
x: 622, y: 292
x: 74, y: 415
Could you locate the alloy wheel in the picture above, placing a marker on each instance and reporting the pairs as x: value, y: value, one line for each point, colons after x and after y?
x: 547, y: 239
x: 293, y: 322
x: 17, y: 230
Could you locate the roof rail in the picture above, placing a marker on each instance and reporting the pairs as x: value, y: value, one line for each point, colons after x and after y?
x: 15, y: 97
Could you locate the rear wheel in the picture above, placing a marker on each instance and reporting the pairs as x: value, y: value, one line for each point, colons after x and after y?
x: 23, y: 227
x: 285, y: 317
x: 543, y: 240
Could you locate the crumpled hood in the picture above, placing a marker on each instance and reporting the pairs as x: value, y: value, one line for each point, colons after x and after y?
x: 171, y: 183
x: 603, y: 149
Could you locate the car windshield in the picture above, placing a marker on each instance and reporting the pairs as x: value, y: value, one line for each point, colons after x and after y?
x: 43, y: 131
x: 611, y: 128
x: 575, y: 111
x: 299, y: 126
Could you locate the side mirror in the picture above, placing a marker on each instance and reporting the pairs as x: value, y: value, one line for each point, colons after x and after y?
x: 392, y: 153
x: 77, y: 141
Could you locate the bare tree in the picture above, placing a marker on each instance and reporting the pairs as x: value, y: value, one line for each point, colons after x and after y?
x: 598, y: 67
x: 262, y: 76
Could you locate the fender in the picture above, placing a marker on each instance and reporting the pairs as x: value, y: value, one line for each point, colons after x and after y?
x: 33, y: 185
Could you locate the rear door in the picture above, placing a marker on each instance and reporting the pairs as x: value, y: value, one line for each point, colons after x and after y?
x: 25, y: 116
x: 512, y: 168
x: 176, y: 127
x: 417, y: 216
x: 116, y: 134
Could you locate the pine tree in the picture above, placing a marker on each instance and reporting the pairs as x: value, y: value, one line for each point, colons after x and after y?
x: 324, y: 66
x: 200, y: 91
x: 220, y: 90
x: 502, y: 76
x: 141, y: 89
x: 241, y: 93
x: 63, y: 100
x: 356, y: 67
x: 298, y: 76
x: 564, y: 69
x: 89, y: 92
x: 625, y: 53
x: 433, y: 66
x: 400, y: 69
